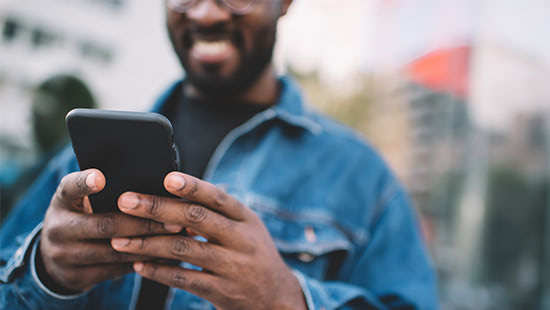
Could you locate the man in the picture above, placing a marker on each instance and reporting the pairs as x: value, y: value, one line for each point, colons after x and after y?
x: 303, y: 214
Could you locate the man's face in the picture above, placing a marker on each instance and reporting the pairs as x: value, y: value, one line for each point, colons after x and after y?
x: 223, y: 53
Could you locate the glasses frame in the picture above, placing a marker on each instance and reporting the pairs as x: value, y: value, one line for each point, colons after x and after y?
x: 177, y: 7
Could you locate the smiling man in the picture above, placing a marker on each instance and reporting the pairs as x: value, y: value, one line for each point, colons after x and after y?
x: 284, y: 208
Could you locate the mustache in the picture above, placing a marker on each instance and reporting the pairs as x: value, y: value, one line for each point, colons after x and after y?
x: 216, y: 29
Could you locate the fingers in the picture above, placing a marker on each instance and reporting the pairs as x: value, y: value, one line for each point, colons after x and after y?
x: 103, y: 226
x: 204, y: 193
x: 77, y: 185
x: 205, y: 255
x: 82, y: 254
x: 176, y: 211
x: 82, y: 278
x: 195, y: 282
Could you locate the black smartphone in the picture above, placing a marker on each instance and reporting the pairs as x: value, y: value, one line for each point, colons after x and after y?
x: 134, y: 150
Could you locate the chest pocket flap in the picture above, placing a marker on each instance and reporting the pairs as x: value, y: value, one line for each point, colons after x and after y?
x: 311, y: 245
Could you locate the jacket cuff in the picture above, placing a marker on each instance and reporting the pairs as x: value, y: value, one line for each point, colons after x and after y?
x: 315, y: 297
x: 321, y: 295
x: 39, y: 283
x: 37, y: 295
x: 17, y: 260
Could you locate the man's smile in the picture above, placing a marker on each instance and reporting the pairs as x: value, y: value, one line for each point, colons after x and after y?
x: 212, y: 51
x: 223, y: 53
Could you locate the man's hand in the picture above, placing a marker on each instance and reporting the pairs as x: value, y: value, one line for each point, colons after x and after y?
x: 74, y: 252
x: 241, y: 267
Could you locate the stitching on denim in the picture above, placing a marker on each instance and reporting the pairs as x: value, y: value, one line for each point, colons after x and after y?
x: 21, y: 296
x: 304, y: 218
x: 231, y: 137
x: 312, y: 249
x: 323, y: 295
x: 301, y: 122
x: 389, y: 195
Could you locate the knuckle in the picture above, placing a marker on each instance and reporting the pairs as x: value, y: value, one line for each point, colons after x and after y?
x: 224, y: 225
x: 195, y: 213
x: 249, y: 245
x: 237, y: 265
x: 152, y: 270
x: 193, y: 189
x: 55, y: 253
x: 147, y: 226
x: 177, y: 279
x: 220, y: 199
x: 80, y: 183
x: 54, y: 233
x: 208, y: 253
x: 180, y: 247
x: 62, y: 190
x: 106, y: 226
x: 71, y: 184
x: 140, y: 242
x: 154, y: 206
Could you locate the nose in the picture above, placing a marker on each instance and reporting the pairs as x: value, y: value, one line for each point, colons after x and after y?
x: 208, y: 13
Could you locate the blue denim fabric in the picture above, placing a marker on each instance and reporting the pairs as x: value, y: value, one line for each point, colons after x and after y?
x: 338, y: 216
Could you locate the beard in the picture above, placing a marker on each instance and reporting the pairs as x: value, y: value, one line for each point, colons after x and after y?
x: 251, y: 63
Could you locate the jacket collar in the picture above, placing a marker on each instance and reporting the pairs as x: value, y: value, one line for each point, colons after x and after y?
x: 290, y: 108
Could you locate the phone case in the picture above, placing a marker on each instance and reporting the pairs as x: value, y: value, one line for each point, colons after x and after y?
x: 134, y: 150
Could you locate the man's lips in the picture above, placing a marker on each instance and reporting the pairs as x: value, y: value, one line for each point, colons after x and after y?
x: 208, y: 51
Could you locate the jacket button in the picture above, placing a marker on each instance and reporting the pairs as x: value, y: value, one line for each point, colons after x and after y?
x: 310, y: 235
x: 306, y: 257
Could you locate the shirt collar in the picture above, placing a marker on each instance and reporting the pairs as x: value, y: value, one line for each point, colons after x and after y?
x: 290, y: 108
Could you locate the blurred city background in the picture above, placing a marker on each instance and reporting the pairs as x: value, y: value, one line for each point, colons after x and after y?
x: 454, y: 93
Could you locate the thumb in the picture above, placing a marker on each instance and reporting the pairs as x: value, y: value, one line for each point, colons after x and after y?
x: 75, y: 186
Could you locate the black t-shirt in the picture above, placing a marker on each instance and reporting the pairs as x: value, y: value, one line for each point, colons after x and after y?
x: 199, y: 126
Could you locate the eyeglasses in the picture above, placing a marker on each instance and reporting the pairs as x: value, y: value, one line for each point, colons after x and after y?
x: 237, y: 7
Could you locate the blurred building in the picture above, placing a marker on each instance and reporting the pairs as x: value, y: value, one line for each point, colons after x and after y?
x: 101, y: 41
x: 118, y: 48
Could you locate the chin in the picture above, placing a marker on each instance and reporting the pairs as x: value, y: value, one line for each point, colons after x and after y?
x: 216, y: 86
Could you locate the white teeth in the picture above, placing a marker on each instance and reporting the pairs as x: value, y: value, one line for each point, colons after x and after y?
x: 211, y: 47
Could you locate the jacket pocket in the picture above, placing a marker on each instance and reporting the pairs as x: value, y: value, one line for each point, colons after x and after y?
x: 314, y: 246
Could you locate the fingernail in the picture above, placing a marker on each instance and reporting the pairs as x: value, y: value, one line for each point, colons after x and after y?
x: 173, y: 227
x: 129, y: 201
x: 90, y: 180
x: 138, y: 266
x: 120, y: 242
x: 175, y: 182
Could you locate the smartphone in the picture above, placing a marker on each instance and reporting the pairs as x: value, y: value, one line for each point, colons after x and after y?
x: 134, y: 150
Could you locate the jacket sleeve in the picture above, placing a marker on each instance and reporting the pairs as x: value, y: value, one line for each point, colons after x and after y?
x: 20, y: 287
x: 392, y: 271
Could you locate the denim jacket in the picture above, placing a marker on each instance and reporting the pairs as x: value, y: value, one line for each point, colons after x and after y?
x: 337, y: 215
